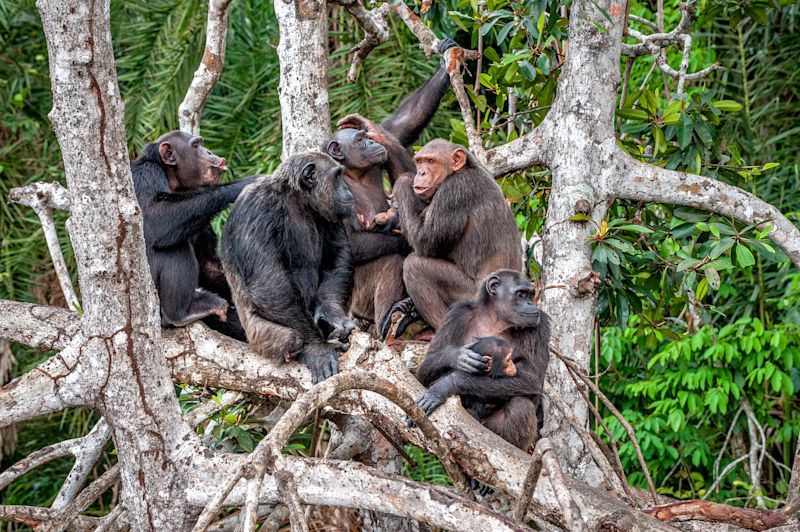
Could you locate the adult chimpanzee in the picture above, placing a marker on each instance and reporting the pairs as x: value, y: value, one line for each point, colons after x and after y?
x: 176, y: 180
x: 509, y: 406
x: 287, y: 258
x: 457, y: 221
x: 366, y: 150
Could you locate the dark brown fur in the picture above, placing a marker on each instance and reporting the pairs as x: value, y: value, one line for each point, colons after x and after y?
x: 465, y: 231
x: 507, y: 406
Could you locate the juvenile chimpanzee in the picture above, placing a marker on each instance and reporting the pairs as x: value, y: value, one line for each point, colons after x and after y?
x: 457, y: 365
x: 366, y: 150
x: 287, y: 258
x: 176, y: 181
x: 460, y: 226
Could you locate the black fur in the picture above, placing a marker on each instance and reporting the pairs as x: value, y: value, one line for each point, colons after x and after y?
x: 181, y: 247
x: 287, y: 257
x: 507, y: 406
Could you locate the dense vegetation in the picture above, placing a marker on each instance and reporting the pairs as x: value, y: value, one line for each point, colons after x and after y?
x: 697, y: 320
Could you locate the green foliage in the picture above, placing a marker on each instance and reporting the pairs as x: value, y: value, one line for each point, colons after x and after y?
x: 682, y: 394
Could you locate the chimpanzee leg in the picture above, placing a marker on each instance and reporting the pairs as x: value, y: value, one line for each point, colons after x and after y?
x: 515, y: 422
x: 378, y: 285
x: 175, y: 275
x: 268, y: 338
x: 434, y: 285
x: 231, y: 327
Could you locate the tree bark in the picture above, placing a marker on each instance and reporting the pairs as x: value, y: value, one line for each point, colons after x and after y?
x: 303, y: 90
x: 120, y: 326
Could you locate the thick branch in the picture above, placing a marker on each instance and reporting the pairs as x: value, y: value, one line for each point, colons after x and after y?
x: 54, y: 385
x: 207, y: 74
x: 640, y: 181
x: 519, y: 154
x: 353, y: 485
x: 718, y: 513
x: 375, y: 24
x: 38, y: 326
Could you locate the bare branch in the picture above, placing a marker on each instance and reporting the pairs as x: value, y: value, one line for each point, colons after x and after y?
x: 354, y: 485
x: 529, y: 486
x: 645, y: 182
x: 34, y: 516
x: 578, y: 372
x: 38, y: 326
x: 210, y: 69
x: 572, y: 514
x: 87, y: 451
x: 519, y: 154
x: 68, y: 514
x: 54, y: 385
x: 43, y: 198
x: 718, y: 513
x: 655, y: 43
x: 793, y: 499
x: 375, y: 24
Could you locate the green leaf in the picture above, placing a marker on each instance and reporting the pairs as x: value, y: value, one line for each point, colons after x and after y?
x: 660, y: 141
x: 633, y: 114
x: 702, y: 289
x: 713, y: 277
x: 684, y: 134
x: 580, y: 217
x: 540, y: 23
x: 503, y: 33
x: 744, y: 257
x: 721, y: 247
x: 727, y: 105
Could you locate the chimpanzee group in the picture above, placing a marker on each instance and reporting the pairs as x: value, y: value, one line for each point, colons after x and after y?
x: 318, y: 244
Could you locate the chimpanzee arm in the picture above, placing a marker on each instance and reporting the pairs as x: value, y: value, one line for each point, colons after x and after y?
x: 336, y: 277
x: 446, y: 352
x: 212, y: 277
x: 398, y: 160
x: 416, y: 111
x: 434, y: 230
x: 367, y: 245
x: 172, y: 218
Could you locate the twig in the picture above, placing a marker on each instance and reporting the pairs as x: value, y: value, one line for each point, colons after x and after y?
x: 728, y: 469
x: 210, y: 69
x: 86, y: 456
x: 90, y: 494
x: 570, y: 364
x: 267, y: 454
x: 606, y: 466
x: 758, y: 447
x: 43, y: 198
x: 570, y: 510
x: 531, y: 479
x: 288, y: 486
x: 725, y: 445
x: 375, y: 24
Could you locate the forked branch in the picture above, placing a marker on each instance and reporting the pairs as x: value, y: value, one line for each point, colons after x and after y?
x: 210, y: 69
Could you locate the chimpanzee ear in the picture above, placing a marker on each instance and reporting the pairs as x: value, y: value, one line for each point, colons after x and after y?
x: 308, y: 177
x: 334, y: 149
x: 458, y: 159
x: 167, y: 153
x: 492, y: 284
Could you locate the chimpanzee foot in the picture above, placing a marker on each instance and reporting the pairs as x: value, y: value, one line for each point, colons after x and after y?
x: 409, y: 315
x: 481, y: 488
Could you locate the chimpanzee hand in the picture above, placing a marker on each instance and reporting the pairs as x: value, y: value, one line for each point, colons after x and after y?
x: 469, y: 361
x: 339, y: 337
x: 320, y: 359
x: 444, y: 45
x: 432, y: 399
x: 356, y: 121
x: 384, y: 222
x: 480, y: 487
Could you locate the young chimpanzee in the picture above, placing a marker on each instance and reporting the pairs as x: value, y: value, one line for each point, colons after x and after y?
x: 366, y: 150
x: 457, y: 365
x: 460, y: 226
x: 287, y: 258
x: 177, y: 185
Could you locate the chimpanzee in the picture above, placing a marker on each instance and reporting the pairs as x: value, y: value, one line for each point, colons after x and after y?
x: 366, y: 149
x: 460, y: 226
x: 457, y: 365
x: 287, y: 257
x: 176, y: 181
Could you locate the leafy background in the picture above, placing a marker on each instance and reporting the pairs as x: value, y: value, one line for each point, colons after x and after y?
x: 697, y: 317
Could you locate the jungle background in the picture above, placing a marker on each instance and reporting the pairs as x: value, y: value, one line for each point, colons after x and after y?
x: 698, y: 330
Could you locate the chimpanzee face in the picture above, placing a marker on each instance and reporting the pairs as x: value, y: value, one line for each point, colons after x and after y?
x: 194, y: 165
x: 321, y: 177
x: 354, y: 149
x: 436, y: 161
x: 513, y: 298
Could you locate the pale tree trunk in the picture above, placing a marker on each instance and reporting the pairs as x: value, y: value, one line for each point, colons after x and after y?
x: 120, y: 317
x: 579, y: 137
x: 303, y: 90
